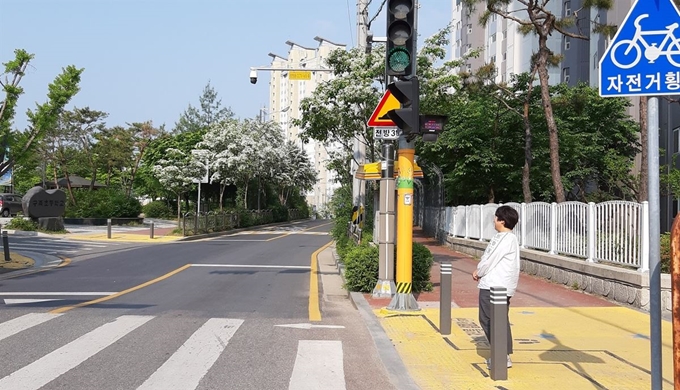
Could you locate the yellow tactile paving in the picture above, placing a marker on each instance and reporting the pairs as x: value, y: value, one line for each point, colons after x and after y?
x: 555, y: 348
x: 122, y: 237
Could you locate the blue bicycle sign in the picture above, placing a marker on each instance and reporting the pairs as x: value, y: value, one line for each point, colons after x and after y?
x: 670, y: 46
x: 644, y: 56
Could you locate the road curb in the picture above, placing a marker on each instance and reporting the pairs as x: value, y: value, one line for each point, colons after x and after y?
x: 41, y: 262
x: 396, y: 370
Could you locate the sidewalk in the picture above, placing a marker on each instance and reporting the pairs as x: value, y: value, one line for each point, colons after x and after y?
x: 563, y: 339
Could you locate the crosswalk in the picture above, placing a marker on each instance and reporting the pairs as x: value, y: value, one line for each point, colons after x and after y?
x: 50, y: 246
x: 318, y: 364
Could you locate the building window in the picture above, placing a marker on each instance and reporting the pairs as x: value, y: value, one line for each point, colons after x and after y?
x: 596, y: 62
x: 567, y: 42
x: 567, y: 8
x: 505, y: 56
x: 493, y: 38
x: 505, y: 34
x: 565, y: 75
x: 492, y: 60
x: 468, y: 68
x: 469, y: 29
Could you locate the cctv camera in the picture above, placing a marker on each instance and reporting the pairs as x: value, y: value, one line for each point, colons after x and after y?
x: 253, y: 76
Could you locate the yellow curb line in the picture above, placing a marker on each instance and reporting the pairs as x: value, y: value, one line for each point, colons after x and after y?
x: 118, y: 294
x: 314, y: 309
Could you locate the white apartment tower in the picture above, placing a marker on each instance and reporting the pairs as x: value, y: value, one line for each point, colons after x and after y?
x: 285, y: 97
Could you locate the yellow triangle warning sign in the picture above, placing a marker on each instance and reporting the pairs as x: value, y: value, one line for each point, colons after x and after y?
x: 379, y: 117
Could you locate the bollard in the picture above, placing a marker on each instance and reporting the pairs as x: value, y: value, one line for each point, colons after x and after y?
x: 5, y: 244
x: 499, y: 333
x: 445, y: 298
x: 151, y: 231
x: 108, y: 228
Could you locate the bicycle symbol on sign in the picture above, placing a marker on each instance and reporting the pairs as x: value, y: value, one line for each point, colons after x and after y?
x: 652, y: 52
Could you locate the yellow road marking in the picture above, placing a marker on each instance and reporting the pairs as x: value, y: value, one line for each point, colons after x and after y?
x: 116, y: 295
x: 65, y: 261
x: 314, y: 309
x: 303, y: 230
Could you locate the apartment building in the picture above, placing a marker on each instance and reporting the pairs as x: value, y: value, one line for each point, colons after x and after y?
x: 285, y: 97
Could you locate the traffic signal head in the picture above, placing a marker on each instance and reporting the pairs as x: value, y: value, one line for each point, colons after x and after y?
x: 400, y: 37
x: 408, y: 94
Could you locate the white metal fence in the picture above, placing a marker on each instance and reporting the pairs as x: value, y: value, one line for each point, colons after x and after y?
x: 614, y: 232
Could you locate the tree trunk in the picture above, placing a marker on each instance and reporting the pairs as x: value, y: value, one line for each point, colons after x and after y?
x: 68, y: 187
x: 526, y: 170
x: 245, y: 196
x: 492, y: 195
x: 643, y: 194
x: 544, y: 53
x: 179, y: 210
x: 222, y: 188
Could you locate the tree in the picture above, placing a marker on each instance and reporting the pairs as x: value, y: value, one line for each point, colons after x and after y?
x: 176, y: 172
x: 294, y: 171
x: 82, y: 125
x: 142, y: 135
x: 543, y: 23
x: 43, y: 118
x: 200, y: 119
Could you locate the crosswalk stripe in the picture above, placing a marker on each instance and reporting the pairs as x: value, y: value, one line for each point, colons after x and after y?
x: 318, y: 365
x: 185, y: 368
x: 16, y: 325
x: 60, y: 361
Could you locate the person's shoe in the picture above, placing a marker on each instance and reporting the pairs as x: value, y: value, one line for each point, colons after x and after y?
x: 488, y: 363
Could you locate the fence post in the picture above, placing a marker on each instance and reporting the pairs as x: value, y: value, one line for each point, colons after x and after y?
x: 467, y: 223
x: 108, y: 228
x: 5, y: 245
x: 644, y: 240
x: 445, y: 298
x: 523, y: 225
x: 151, y: 231
x: 553, y: 228
x: 499, y: 334
x: 591, y: 232
x: 481, y: 222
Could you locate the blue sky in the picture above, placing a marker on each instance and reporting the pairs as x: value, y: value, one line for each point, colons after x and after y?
x: 150, y: 59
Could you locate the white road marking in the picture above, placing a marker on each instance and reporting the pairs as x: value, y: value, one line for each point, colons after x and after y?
x: 310, y: 326
x: 318, y: 365
x: 16, y: 325
x: 50, y: 294
x: 49, y: 367
x: 252, y: 266
x: 185, y: 368
x: 24, y: 301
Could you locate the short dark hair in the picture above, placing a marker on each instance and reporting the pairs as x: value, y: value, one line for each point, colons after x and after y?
x: 508, y: 215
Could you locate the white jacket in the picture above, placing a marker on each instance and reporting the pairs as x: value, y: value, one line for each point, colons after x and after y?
x: 499, y: 266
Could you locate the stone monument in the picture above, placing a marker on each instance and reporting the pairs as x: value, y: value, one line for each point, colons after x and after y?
x: 45, y: 206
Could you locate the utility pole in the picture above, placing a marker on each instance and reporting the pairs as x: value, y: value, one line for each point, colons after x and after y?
x: 358, y: 186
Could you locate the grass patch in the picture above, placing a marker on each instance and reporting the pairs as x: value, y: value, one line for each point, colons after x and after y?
x: 16, y: 262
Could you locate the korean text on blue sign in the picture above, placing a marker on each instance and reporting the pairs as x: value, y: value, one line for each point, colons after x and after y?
x: 644, y: 56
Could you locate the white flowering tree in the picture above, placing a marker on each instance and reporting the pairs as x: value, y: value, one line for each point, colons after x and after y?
x: 176, y: 172
x: 293, y: 172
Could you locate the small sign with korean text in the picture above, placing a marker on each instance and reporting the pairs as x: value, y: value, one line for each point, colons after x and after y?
x: 386, y: 132
x: 643, y: 59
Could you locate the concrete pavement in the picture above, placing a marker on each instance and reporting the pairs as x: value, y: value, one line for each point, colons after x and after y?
x: 563, y: 339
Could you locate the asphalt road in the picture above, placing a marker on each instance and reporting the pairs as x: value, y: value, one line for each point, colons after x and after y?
x: 231, y: 312
x: 63, y: 247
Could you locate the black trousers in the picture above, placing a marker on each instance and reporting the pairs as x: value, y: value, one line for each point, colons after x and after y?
x: 485, y: 317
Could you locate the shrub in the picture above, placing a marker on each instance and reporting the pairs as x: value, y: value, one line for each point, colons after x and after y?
x: 158, y: 209
x: 422, y: 264
x: 19, y: 223
x: 665, y: 253
x: 280, y: 213
x: 361, y: 268
x: 103, y: 203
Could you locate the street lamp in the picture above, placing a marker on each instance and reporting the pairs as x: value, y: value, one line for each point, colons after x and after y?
x: 264, y: 111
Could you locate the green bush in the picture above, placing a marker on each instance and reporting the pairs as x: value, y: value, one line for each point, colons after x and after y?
x: 280, y: 213
x: 103, y: 203
x: 422, y: 264
x: 361, y: 268
x: 158, y: 209
x: 665, y: 253
x: 19, y: 223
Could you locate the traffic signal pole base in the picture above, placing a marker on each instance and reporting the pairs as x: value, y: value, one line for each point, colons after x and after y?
x: 384, y: 289
x: 403, y: 302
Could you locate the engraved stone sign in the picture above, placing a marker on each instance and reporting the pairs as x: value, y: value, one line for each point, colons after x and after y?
x: 39, y: 202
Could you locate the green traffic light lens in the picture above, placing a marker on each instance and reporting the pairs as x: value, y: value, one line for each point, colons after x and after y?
x: 399, y: 59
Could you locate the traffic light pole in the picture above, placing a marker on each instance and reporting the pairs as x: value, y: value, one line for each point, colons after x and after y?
x: 359, y: 148
x: 386, y: 287
x: 404, y: 300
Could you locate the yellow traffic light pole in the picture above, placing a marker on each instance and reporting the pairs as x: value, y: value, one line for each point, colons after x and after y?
x: 404, y: 300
